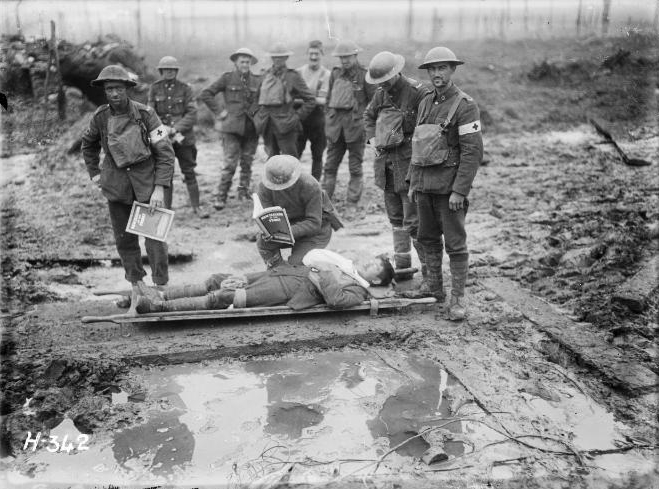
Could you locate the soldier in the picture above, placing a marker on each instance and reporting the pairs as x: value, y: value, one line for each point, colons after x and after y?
x: 347, y: 98
x: 239, y: 136
x: 138, y: 166
x: 174, y: 104
x: 389, y: 122
x: 447, y: 150
x: 316, y: 76
x: 276, y: 120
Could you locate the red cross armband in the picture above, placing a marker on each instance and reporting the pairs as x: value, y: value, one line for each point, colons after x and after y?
x: 469, y: 128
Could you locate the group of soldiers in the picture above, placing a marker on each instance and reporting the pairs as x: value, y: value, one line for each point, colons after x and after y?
x: 426, y: 139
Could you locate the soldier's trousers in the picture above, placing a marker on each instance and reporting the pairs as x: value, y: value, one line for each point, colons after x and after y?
x: 437, y: 220
x: 279, y: 144
x: 238, y: 150
x: 335, y: 152
x: 128, y: 247
x: 187, y: 161
x: 271, y: 252
x: 313, y: 130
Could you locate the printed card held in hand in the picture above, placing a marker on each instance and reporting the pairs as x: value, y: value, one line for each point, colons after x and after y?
x: 154, y: 226
x: 273, y: 222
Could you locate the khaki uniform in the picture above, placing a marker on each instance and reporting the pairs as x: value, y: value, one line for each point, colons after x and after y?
x: 277, y: 120
x: 239, y: 135
x: 119, y: 135
x: 391, y: 164
x: 347, y: 98
x: 460, y: 150
x: 176, y: 107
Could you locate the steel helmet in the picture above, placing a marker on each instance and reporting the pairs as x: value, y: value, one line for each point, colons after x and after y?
x: 346, y: 48
x: 384, y: 66
x: 243, y: 52
x: 281, y: 172
x: 168, y: 62
x: 440, y: 55
x: 113, y: 73
x: 279, y: 50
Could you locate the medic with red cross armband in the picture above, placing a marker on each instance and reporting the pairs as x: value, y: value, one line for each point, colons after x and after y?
x: 447, y: 149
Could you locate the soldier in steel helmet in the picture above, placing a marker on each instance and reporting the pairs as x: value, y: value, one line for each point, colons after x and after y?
x: 389, y: 121
x: 308, y: 207
x: 347, y: 98
x: 239, y: 136
x: 138, y: 166
x: 447, y: 149
x: 176, y: 107
x: 277, y: 120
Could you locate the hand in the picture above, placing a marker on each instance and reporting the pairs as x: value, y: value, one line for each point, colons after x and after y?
x: 170, y: 131
x: 456, y: 201
x: 157, y: 198
x: 371, y: 142
x: 97, y: 180
x: 266, y: 239
x: 223, y: 115
x: 411, y: 195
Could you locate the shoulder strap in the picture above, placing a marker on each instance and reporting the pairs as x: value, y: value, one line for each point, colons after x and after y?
x: 454, y: 107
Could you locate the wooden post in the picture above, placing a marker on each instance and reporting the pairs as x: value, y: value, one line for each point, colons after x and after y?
x: 605, y: 17
x: 61, y: 98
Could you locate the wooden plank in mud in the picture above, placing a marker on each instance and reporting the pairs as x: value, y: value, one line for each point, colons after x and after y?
x: 635, y: 291
x: 584, y: 341
x: 249, y: 312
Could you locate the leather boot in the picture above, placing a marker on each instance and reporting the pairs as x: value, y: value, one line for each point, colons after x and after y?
x: 423, y: 290
x: 459, y: 269
x: 193, y: 192
x: 179, y: 291
x: 220, y: 202
x: 329, y: 183
x: 434, y: 277
x: 243, y: 193
x: 402, y: 255
x: 144, y: 304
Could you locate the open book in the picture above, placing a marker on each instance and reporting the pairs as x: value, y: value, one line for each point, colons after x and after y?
x: 154, y: 226
x: 273, y: 222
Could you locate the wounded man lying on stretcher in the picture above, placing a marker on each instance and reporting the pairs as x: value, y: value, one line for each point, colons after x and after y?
x: 326, y: 277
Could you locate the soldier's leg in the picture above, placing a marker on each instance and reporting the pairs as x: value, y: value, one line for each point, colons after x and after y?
x: 271, y: 290
x: 288, y: 143
x: 429, y: 235
x: 231, y: 147
x: 308, y: 243
x: 157, y: 253
x: 219, y: 299
x: 270, y: 140
x: 249, y: 145
x: 395, y: 213
x: 335, y: 151
x: 316, y: 135
x: 195, y: 290
x: 187, y: 159
x: 128, y: 245
x: 455, y: 238
x: 355, y: 158
x: 302, y: 138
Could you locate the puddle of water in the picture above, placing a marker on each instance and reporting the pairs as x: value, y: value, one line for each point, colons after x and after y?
x: 211, y: 422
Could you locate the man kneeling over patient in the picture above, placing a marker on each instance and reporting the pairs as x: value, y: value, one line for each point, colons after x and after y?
x: 325, y: 277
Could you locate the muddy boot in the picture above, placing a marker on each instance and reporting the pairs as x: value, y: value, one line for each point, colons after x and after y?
x: 329, y: 183
x: 402, y: 255
x: 459, y: 267
x: 193, y: 192
x: 423, y: 290
x: 220, y: 202
x: 180, y: 291
x: 135, y: 294
x: 434, y: 278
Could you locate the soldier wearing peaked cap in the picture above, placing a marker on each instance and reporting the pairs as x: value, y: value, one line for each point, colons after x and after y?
x: 173, y: 101
x: 277, y: 120
x: 389, y: 121
x: 447, y: 149
x: 239, y: 134
x: 347, y: 98
x: 138, y: 166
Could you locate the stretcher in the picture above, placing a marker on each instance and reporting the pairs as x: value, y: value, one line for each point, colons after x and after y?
x: 373, y: 306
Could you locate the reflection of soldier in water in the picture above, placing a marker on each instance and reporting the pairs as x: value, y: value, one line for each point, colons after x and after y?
x: 172, y: 441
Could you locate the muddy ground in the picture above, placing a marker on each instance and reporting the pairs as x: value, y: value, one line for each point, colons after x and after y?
x: 555, y: 218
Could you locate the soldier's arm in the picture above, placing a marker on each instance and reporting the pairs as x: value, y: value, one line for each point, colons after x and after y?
x: 321, y: 98
x: 313, y: 214
x: 151, y: 100
x: 161, y: 148
x: 207, y: 95
x: 337, y: 292
x: 471, y: 146
x: 301, y: 91
x: 91, y: 147
x: 330, y: 84
x: 189, y: 118
x: 370, y: 116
